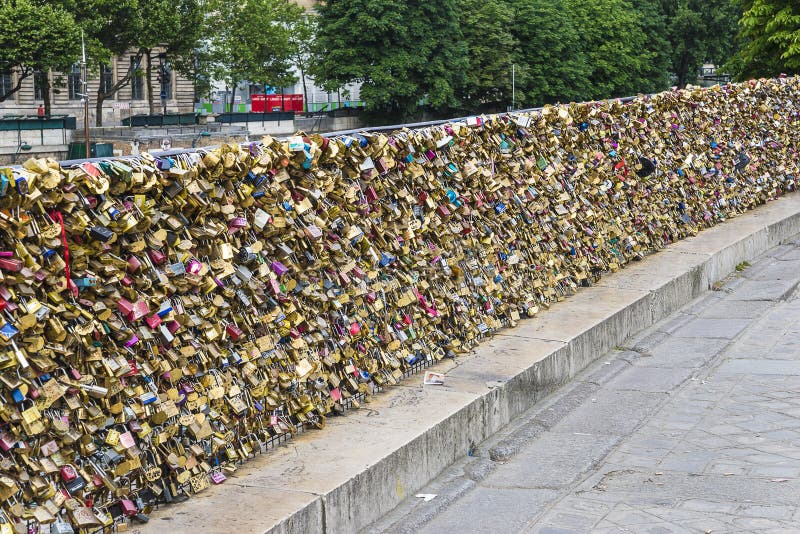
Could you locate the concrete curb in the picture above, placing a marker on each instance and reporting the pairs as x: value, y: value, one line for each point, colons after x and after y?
x: 365, y: 464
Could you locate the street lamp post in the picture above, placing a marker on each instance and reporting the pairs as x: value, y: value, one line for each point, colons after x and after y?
x: 85, y: 96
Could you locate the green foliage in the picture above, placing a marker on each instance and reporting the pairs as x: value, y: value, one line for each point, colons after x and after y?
x: 110, y: 26
x: 770, y: 35
x: 176, y: 25
x: 654, y: 26
x: 552, y: 65
x: 698, y: 31
x: 251, y: 40
x: 613, y: 46
x: 303, y: 35
x: 36, y: 37
x: 491, y: 49
x: 402, y: 52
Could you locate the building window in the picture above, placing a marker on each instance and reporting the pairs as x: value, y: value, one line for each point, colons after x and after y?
x: 165, y: 79
x: 106, y: 78
x: 39, y: 84
x: 137, y: 85
x: 74, y: 83
x: 5, y: 83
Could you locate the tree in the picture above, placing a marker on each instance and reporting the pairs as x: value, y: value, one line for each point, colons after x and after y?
x: 698, y: 31
x: 491, y: 48
x: 302, y: 36
x: 552, y: 64
x: 613, y: 46
x: 36, y: 37
x: 403, y: 53
x: 654, y: 26
x: 177, y: 27
x: 111, y: 28
x: 770, y: 36
x: 251, y: 40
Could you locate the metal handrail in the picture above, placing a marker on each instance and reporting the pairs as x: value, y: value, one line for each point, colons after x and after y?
x: 414, y: 125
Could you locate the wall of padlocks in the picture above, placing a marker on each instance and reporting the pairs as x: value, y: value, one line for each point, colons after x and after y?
x: 162, y: 319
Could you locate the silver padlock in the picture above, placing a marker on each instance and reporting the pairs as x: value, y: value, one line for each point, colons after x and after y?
x: 61, y: 527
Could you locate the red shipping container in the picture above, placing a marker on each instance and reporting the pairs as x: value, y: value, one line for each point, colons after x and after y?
x: 287, y: 102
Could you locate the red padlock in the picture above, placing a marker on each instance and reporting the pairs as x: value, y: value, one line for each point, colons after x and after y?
x: 129, y: 508
x: 153, y: 321
x: 157, y: 256
x: 68, y: 473
x: 234, y: 332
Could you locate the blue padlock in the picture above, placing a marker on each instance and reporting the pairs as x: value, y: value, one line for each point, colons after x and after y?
x: 386, y: 259
x: 8, y: 331
x: 17, y: 395
x: 22, y: 186
x: 164, y: 310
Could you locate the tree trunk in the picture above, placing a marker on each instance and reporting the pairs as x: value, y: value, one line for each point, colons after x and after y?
x: 22, y: 73
x: 683, y: 71
x: 233, y: 95
x: 114, y: 89
x: 305, y: 88
x: 149, y: 81
x: 46, y: 94
x: 98, y: 121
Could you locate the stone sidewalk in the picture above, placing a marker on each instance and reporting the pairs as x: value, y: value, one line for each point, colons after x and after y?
x: 692, y: 426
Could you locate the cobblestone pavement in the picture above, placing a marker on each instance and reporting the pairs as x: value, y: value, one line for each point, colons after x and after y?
x: 692, y: 426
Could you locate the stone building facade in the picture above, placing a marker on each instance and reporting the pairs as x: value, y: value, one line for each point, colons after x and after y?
x: 66, y: 87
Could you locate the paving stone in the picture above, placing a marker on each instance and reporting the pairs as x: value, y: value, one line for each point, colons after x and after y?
x: 611, y: 412
x: 762, y: 290
x: 552, y: 461
x: 695, y: 429
x: 712, y: 328
x: 682, y: 352
x: 503, y: 510
x: 736, y: 309
x: 650, y: 379
x: 760, y: 367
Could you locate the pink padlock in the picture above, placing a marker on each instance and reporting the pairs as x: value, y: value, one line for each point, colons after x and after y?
x: 312, y: 231
x: 125, y: 307
x: 194, y: 266
x: 140, y: 309
x: 133, y: 264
